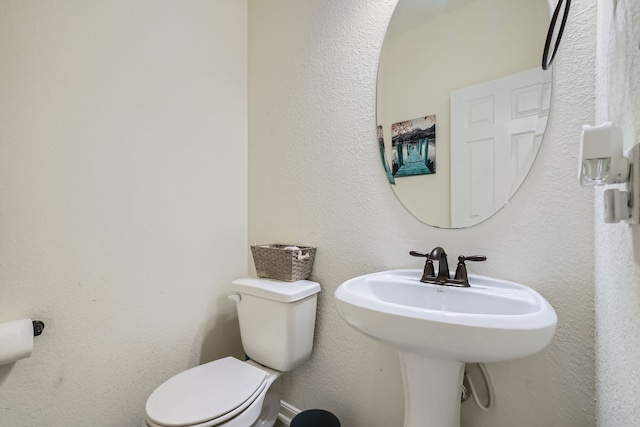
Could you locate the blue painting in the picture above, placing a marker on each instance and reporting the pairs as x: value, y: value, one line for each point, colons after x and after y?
x: 414, y: 147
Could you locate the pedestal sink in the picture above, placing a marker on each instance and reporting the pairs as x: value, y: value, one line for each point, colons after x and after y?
x: 437, y: 329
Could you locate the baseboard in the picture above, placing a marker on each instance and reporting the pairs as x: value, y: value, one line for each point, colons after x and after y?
x: 287, y: 412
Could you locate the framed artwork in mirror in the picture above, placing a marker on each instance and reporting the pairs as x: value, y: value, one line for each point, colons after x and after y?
x: 413, y: 145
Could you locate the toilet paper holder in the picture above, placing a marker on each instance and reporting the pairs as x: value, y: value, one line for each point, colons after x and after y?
x: 17, y: 339
x: 38, y: 327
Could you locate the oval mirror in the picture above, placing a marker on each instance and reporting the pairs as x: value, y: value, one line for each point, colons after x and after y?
x: 462, y: 104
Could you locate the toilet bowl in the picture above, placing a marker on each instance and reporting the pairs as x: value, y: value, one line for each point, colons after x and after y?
x: 277, y: 321
x: 223, y: 393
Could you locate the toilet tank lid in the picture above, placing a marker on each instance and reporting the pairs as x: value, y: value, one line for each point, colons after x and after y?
x: 275, y: 289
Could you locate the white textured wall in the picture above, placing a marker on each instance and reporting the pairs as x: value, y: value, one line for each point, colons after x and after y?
x: 617, y: 247
x: 123, y: 208
x: 315, y: 178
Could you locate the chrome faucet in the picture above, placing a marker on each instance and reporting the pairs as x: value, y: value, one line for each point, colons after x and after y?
x: 444, y: 276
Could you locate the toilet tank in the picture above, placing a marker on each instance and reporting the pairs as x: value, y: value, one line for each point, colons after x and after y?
x: 277, y: 320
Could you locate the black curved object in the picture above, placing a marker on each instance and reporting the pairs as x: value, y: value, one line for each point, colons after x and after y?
x: 546, y: 60
x: 38, y: 327
x: 315, y: 418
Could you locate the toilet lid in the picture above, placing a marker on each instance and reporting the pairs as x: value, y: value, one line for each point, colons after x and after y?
x: 205, y: 393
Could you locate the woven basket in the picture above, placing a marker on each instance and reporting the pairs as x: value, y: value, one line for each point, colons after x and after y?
x: 274, y: 262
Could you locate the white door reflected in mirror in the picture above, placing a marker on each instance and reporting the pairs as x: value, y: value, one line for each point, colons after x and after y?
x: 496, y: 131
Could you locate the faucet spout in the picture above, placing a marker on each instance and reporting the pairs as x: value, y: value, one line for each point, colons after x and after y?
x: 443, y: 265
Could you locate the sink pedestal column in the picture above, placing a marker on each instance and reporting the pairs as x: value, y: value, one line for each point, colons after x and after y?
x: 431, y: 391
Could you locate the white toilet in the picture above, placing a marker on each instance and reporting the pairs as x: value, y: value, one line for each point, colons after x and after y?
x: 277, y: 321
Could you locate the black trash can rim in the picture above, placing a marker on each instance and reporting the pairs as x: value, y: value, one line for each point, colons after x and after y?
x: 315, y: 418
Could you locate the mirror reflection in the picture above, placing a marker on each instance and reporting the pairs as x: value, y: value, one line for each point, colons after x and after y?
x: 462, y: 104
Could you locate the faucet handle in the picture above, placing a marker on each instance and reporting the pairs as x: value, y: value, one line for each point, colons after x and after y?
x: 419, y: 254
x: 472, y: 258
x: 461, y: 270
x: 428, y: 272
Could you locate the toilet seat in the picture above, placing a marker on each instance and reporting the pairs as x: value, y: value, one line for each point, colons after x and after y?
x: 207, y: 395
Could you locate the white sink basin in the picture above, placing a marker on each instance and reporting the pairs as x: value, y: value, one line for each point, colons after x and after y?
x: 493, y: 320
